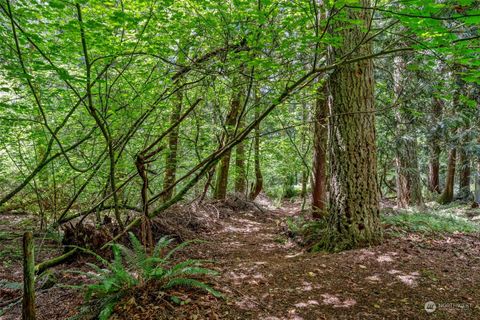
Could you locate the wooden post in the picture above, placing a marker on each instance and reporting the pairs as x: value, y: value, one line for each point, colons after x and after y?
x: 28, y: 308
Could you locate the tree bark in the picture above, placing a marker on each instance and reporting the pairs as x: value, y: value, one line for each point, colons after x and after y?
x: 447, y: 195
x: 477, y: 184
x: 258, y: 186
x: 319, y: 181
x: 354, y: 215
x: 409, y: 188
x: 28, y: 307
x: 464, y: 179
x: 221, y: 184
x: 434, y: 146
x: 240, y: 175
x: 171, y: 156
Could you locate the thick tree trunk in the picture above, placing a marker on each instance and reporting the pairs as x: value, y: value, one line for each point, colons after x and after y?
x: 435, y: 150
x: 171, y: 156
x: 319, y: 181
x: 447, y: 195
x: 409, y: 188
x: 353, y: 195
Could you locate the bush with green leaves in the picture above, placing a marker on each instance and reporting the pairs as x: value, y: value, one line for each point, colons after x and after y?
x: 133, y: 267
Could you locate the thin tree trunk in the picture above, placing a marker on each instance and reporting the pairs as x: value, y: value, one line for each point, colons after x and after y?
x: 435, y: 150
x: 258, y: 186
x: 477, y: 184
x: 319, y: 181
x: 447, y: 195
x: 464, y: 179
x: 221, y: 184
x: 171, y: 156
x: 409, y: 188
x: 353, y: 196
x: 240, y: 175
x: 28, y: 307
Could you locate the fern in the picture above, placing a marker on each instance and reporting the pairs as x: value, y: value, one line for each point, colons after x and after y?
x: 192, y: 283
x: 130, y: 268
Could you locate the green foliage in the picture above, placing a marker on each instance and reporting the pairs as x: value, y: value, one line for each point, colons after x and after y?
x: 133, y: 267
x: 306, y: 231
x: 431, y: 223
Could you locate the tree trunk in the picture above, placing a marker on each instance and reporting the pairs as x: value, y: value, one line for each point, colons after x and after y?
x: 353, y: 196
x: 230, y: 122
x: 477, y: 184
x: 447, y: 195
x: 409, y: 188
x: 171, y: 156
x: 28, y: 306
x: 435, y: 150
x: 319, y: 181
x: 464, y: 181
x: 258, y: 186
x: 240, y: 175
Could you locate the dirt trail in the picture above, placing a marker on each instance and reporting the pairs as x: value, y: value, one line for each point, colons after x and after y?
x: 267, y: 277
x: 264, y: 275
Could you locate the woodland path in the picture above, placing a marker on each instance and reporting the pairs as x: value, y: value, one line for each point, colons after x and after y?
x: 267, y: 276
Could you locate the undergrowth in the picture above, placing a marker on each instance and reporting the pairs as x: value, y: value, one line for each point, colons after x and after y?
x: 133, y: 268
x: 316, y: 236
x: 430, y: 223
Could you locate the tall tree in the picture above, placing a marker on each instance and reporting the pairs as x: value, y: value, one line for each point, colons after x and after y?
x: 464, y: 171
x: 353, y: 196
x: 230, y: 122
x: 171, y: 154
x: 258, y: 184
x: 240, y: 172
x: 319, y: 178
x: 434, y: 146
x: 409, y: 188
x: 447, y: 194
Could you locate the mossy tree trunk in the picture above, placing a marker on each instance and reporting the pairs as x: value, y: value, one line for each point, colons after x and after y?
x: 354, y: 215
x: 240, y: 174
x: 171, y: 154
x: 319, y: 181
x: 221, y: 184
x: 28, y: 306
x: 258, y: 185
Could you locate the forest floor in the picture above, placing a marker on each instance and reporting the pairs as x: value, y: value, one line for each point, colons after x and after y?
x: 266, y: 275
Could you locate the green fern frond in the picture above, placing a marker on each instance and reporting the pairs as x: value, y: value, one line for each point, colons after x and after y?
x: 161, y: 244
x: 197, y: 271
x: 179, y: 247
x: 138, y: 247
x: 176, y: 269
x: 192, y: 283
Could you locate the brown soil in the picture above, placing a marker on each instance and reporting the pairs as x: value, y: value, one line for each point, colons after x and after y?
x: 265, y: 275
